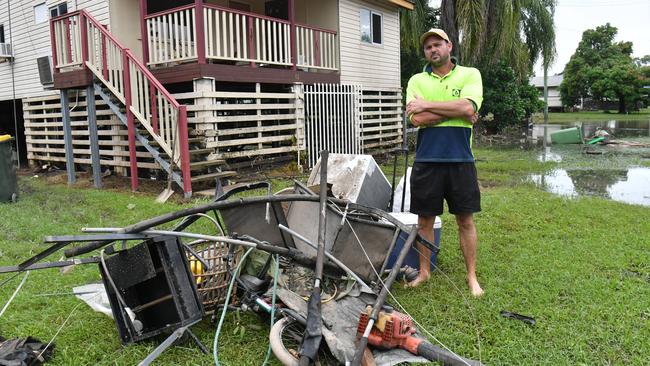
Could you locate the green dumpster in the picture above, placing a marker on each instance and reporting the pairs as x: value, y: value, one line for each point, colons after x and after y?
x: 8, y: 180
x: 571, y: 135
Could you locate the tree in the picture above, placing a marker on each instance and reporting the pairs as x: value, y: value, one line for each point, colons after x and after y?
x: 506, y: 100
x: 643, y: 63
x: 602, y: 70
x: 503, y: 39
x: 412, y: 25
x: 517, y: 32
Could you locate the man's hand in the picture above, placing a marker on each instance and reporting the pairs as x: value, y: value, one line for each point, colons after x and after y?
x: 474, y: 118
x: 416, y: 106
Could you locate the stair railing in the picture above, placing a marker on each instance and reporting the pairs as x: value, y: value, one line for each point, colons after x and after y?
x: 78, y: 39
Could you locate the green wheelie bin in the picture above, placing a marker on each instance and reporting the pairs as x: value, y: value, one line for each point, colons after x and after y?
x: 8, y: 180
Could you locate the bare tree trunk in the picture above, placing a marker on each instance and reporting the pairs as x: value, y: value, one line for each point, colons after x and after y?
x: 448, y: 24
x: 621, y: 105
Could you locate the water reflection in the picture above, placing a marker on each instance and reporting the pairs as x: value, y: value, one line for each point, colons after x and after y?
x: 624, y: 185
x: 619, y: 129
x: 548, y: 155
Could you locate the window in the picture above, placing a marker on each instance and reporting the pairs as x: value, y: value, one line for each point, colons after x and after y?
x: 371, y: 26
x: 59, y: 9
x: 2, y: 33
x: 40, y: 13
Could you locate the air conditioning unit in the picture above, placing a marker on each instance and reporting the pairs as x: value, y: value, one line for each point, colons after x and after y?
x: 5, y: 51
x: 45, y: 69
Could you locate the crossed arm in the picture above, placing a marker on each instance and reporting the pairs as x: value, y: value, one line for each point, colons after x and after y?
x: 424, y: 112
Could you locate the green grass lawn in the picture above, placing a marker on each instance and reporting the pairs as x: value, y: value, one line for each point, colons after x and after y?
x: 580, y: 267
x: 643, y: 114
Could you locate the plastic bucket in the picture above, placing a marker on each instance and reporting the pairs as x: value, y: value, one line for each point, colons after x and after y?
x: 8, y: 180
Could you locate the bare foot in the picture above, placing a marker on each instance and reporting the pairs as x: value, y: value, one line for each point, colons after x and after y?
x: 474, y: 287
x: 421, y: 278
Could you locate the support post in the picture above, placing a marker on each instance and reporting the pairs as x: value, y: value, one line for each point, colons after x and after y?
x: 54, y: 45
x: 299, y: 103
x: 130, y: 121
x: 92, y: 134
x: 84, y: 38
x: 292, y: 31
x: 545, y: 95
x: 316, y: 40
x: 200, y: 31
x: 185, y: 151
x: 69, y: 39
x: 104, y: 57
x: 144, y: 32
x: 251, y: 42
x: 67, y: 136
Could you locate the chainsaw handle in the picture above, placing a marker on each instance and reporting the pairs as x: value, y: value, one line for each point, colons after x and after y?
x: 434, y: 353
x: 363, y: 343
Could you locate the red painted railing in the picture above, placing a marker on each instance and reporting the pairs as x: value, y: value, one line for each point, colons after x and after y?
x: 80, y: 40
x: 211, y: 32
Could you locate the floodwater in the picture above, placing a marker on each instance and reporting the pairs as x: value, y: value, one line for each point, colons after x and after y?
x: 617, y: 172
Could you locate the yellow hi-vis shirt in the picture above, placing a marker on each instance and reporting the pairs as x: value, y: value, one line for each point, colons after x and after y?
x: 451, y: 140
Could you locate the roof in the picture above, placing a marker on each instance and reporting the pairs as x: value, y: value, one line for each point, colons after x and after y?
x: 552, y: 81
x: 406, y: 4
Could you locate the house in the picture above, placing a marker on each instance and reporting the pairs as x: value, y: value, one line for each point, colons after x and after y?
x: 553, y: 85
x: 195, y: 88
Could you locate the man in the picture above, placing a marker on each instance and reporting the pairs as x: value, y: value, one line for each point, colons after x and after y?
x: 443, y: 101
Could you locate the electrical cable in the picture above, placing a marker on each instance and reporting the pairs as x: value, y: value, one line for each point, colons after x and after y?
x: 61, y: 327
x: 13, y: 83
x: 9, y: 279
x: 14, y: 294
x: 215, y: 346
x: 123, y: 306
x: 273, y: 300
x: 394, y: 298
x: 214, y: 221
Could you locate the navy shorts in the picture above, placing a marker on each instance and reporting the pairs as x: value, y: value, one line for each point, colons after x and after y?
x: 456, y: 183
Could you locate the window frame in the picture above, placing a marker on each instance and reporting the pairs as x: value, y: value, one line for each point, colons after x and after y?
x: 41, y: 14
x: 371, y: 14
x: 57, y: 8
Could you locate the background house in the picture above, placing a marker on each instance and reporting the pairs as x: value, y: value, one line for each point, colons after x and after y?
x: 204, y: 86
x: 553, y: 85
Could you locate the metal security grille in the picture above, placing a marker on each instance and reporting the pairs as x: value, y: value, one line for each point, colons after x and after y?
x: 332, y: 119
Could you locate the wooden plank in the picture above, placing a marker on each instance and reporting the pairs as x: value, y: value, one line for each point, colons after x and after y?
x: 73, y: 79
x: 76, y: 133
x: 386, y: 135
x: 237, y: 95
x: 381, y: 120
x: 367, y: 131
x: 78, y: 142
x: 248, y: 153
x: 87, y: 161
x: 246, y: 141
x: 78, y: 151
x: 383, y: 113
x: 247, y: 118
x: 222, y: 72
x: 240, y: 107
x: 380, y: 105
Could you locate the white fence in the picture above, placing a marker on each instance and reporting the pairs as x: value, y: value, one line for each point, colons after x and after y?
x: 332, y: 119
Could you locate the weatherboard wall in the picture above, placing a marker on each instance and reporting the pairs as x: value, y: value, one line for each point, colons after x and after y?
x: 31, y: 40
x: 374, y: 66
